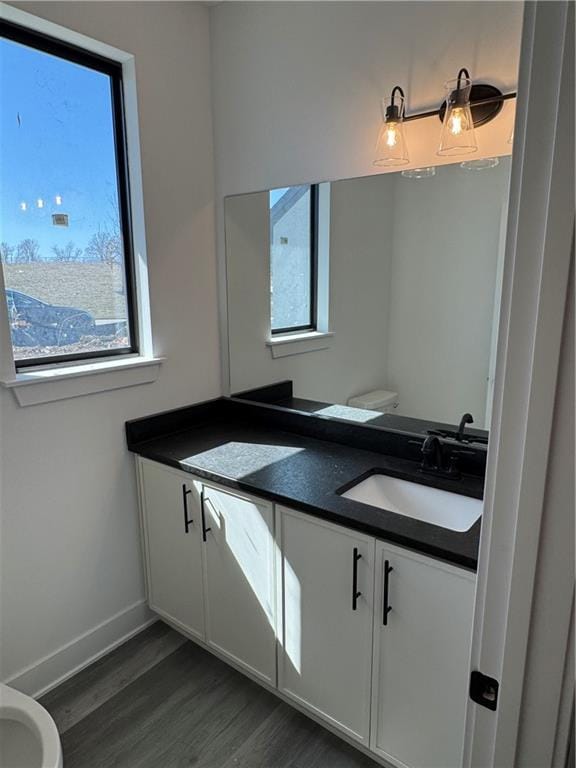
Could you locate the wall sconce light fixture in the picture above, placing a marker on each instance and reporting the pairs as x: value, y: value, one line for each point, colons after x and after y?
x: 466, y: 107
x: 391, y: 144
x: 457, y: 137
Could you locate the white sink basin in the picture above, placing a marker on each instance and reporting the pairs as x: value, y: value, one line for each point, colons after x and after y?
x: 448, y: 510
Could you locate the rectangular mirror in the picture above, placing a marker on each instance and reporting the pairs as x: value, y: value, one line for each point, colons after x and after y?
x: 377, y: 297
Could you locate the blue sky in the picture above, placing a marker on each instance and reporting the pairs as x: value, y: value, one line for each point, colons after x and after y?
x: 56, y: 138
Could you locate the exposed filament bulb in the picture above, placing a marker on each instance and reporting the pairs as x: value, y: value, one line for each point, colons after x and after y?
x: 458, y: 122
x: 391, y: 135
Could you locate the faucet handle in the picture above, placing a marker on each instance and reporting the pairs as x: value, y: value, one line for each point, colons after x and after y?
x: 454, y: 465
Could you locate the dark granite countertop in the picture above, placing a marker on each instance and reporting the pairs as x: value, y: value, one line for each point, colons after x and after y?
x: 306, y: 473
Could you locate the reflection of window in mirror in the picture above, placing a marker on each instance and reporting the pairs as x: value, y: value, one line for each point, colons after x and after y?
x: 294, y: 259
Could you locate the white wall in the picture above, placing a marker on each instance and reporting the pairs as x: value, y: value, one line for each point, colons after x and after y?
x: 445, y: 256
x: 70, y: 558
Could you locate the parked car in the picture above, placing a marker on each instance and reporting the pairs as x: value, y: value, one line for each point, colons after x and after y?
x: 36, y: 323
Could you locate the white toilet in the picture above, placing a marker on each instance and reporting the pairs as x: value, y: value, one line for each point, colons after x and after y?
x: 28, y: 735
x: 381, y: 400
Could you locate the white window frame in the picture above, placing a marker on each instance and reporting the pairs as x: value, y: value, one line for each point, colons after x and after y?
x: 70, y: 379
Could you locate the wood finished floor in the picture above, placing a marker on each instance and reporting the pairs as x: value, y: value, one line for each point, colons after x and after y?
x: 160, y: 701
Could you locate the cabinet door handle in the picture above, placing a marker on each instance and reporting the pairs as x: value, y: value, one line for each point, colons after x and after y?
x: 355, y: 593
x: 386, y: 608
x: 202, y: 507
x: 187, y: 520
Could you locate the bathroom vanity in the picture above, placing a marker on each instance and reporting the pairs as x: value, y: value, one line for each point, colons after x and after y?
x: 256, y: 547
x: 319, y: 528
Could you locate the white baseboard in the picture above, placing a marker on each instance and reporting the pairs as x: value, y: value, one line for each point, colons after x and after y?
x: 46, y: 673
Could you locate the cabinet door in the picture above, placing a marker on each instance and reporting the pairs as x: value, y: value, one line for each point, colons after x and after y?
x: 325, y: 656
x: 240, y: 578
x: 421, y: 659
x: 173, y: 538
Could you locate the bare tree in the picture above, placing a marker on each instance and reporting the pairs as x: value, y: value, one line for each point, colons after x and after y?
x: 68, y: 252
x: 113, y: 214
x: 105, y: 247
x: 6, y: 253
x: 27, y: 251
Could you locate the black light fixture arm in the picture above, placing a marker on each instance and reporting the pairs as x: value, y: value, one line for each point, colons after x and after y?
x: 393, y: 111
x: 462, y: 74
x: 436, y: 112
x: 398, y: 89
x: 485, y: 101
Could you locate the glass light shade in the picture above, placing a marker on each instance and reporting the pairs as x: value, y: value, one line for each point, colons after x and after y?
x: 458, y: 137
x: 480, y: 164
x: 420, y: 173
x: 391, y: 146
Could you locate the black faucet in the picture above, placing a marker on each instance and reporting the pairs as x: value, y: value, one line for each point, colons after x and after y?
x: 433, y: 455
x: 438, y: 459
x: 466, y: 419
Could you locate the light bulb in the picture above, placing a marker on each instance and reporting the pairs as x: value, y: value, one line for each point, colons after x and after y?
x: 23, y: 206
x: 391, y: 144
x: 40, y: 203
x: 455, y: 124
x: 457, y: 136
x: 58, y: 200
x: 391, y: 135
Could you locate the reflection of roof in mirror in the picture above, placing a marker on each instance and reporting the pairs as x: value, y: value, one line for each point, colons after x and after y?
x: 285, y: 201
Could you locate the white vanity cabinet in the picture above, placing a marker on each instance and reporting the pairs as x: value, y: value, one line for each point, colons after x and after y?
x: 172, y: 528
x: 324, y: 658
x: 240, y: 564
x: 210, y: 565
x: 370, y: 638
x: 422, y: 632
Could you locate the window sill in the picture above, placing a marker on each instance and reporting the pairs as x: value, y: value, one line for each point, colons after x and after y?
x: 62, y: 382
x: 299, y: 343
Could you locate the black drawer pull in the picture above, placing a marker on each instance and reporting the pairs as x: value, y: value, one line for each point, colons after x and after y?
x: 187, y: 520
x: 355, y: 593
x: 202, y: 507
x: 386, y: 608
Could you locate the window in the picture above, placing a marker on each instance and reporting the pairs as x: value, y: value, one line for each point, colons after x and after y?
x: 65, y: 235
x: 293, y: 258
